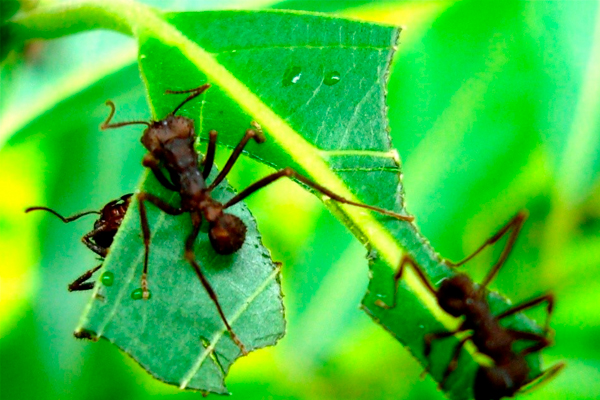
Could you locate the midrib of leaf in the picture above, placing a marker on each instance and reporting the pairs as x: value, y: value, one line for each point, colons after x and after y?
x: 130, y: 17
x: 215, y: 340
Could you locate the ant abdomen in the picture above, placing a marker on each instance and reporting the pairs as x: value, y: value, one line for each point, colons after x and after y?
x: 227, y: 234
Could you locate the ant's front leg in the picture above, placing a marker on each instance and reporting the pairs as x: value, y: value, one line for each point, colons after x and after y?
x: 255, y: 134
x: 151, y: 162
x: 87, y: 240
x: 80, y: 283
x: 514, y: 226
x: 164, y: 207
x: 209, y: 159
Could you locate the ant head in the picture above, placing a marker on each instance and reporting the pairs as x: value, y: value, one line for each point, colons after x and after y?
x: 171, y: 128
x: 493, y: 383
x: 227, y: 234
x: 111, y: 216
x: 454, y: 293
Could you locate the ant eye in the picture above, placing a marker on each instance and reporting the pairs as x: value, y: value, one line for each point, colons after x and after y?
x: 227, y: 234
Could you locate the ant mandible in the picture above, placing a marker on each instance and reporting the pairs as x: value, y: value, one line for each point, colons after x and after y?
x: 98, y: 239
x: 170, y: 144
x: 459, y: 296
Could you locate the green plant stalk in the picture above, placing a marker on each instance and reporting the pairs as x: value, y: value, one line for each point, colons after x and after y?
x: 133, y: 19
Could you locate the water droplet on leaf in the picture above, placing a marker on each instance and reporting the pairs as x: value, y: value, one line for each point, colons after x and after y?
x: 291, y: 76
x: 332, y: 78
x: 138, y: 294
x: 107, y: 278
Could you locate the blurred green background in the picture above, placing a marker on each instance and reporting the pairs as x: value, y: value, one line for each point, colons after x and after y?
x: 494, y: 107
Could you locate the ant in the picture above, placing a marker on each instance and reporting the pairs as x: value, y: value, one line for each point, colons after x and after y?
x: 170, y: 144
x: 98, y: 239
x: 459, y: 296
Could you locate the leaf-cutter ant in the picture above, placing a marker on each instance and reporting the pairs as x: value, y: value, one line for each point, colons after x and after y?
x: 170, y: 144
x: 98, y: 239
x: 459, y: 296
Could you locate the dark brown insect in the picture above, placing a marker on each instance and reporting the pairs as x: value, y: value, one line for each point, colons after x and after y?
x: 170, y: 143
x: 459, y: 296
x: 98, y: 239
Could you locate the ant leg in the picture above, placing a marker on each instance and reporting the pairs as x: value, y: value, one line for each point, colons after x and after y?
x: 549, y: 299
x: 407, y: 259
x: 542, y: 342
x: 162, y: 179
x: 288, y: 172
x: 86, y: 239
x: 453, y: 362
x: 154, y: 164
x: 194, y: 93
x: 164, y: 207
x: 191, y: 258
x: 209, y: 159
x: 80, y: 283
x: 546, y: 375
x: 430, y: 337
x: 250, y: 134
x: 516, y: 222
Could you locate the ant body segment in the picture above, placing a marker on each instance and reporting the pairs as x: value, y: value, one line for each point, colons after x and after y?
x: 98, y: 239
x: 459, y: 296
x: 170, y: 144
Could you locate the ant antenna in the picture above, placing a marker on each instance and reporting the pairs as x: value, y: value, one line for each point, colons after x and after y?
x: 194, y: 93
x: 65, y: 220
x: 107, y: 125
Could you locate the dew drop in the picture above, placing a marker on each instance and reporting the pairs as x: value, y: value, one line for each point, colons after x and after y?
x: 332, y: 78
x: 291, y: 76
x: 107, y: 278
x: 138, y: 294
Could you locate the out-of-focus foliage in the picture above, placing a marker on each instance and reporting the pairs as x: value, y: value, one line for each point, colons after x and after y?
x: 492, y: 108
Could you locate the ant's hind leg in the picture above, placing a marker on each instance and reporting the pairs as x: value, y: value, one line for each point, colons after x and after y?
x: 290, y: 173
x: 80, y: 283
x: 548, y: 298
x: 191, y: 258
x: 164, y: 207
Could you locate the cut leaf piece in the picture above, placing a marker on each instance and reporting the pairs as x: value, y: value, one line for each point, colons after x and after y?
x: 177, y: 334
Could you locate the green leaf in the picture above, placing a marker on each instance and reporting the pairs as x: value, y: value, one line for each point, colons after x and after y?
x: 177, y: 335
x: 277, y: 69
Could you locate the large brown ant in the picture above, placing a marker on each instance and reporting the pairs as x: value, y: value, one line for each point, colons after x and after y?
x: 170, y: 143
x: 459, y: 296
x: 98, y: 239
